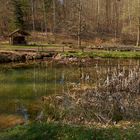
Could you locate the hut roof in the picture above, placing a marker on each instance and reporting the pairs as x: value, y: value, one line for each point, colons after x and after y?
x: 22, y: 32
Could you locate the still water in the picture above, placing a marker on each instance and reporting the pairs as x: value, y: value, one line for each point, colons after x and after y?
x: 23, y: 85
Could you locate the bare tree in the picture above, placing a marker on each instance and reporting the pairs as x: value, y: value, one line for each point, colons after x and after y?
x: 138, y: 33
x: 33, y: 14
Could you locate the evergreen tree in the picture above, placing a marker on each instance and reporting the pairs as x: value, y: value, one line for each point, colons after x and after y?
x: 18, y: 13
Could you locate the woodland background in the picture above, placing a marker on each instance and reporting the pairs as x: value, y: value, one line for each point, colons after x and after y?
x: 85, y: 19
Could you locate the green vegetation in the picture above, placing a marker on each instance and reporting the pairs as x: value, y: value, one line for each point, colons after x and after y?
x: 5, y: 46
x: 43, y: 131
x: 18, y: 12
x: 75, y: 53
x: 104, y: 54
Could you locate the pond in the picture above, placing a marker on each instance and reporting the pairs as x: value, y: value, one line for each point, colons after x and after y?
x: 23, y: 85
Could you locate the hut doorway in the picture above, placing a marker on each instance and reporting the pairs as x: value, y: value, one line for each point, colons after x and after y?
x: 19, y: 40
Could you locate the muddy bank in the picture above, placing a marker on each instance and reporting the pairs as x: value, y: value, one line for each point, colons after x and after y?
x: 85, y: 58
x: 23, y: 56
x: 72, y: 59
x: 14, y: 56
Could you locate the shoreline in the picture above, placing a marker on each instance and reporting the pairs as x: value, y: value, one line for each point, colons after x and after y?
x: 23, y: 56
x: 16, y: 56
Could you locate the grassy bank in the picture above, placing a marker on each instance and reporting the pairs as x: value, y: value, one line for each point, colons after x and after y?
x: 75, y: 52
x: 43, y: 131
x: 104, y: 54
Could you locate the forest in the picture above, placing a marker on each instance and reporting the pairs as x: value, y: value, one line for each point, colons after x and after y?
x: 87, y: 20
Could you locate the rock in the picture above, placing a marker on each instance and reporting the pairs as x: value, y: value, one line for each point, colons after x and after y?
x: 58, y: 57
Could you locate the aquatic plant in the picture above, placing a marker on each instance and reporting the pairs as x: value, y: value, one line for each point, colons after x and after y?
x: 110, y: 101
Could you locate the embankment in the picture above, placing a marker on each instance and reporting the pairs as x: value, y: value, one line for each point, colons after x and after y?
x: 15, y: 56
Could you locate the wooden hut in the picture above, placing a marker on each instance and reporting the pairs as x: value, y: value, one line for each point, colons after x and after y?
x: 18, y: 37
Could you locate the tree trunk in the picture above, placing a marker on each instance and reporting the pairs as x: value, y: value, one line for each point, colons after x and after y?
x: 108, y: 12
x: 33, y: 15
x: 98, y: 15
x: 79, y: 24
x: 54, y: 19
x: 45, y: 17
x: 138, y: 34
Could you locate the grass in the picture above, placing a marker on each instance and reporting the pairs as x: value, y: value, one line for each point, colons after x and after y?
x: 12, y: 47
x: 75, y: 53
x: 46, y: 131
x: 104, y: 54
